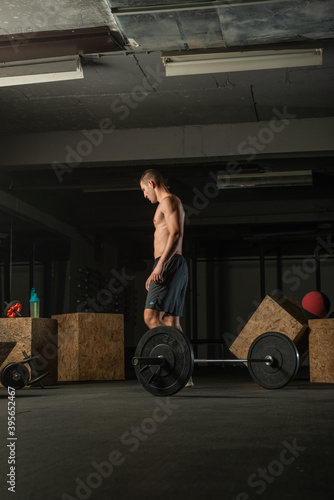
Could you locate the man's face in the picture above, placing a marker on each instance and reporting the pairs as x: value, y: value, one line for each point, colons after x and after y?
x: 148, y: 191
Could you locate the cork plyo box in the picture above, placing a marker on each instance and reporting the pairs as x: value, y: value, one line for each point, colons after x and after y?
x: 274, y: 314
x: 91, y: 347
x: 321, y: 350
x: 36, y: 336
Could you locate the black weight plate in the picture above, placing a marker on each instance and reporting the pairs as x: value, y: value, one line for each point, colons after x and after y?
x: 175, y: 347
x: 285, y: 364
x: 14, y: 375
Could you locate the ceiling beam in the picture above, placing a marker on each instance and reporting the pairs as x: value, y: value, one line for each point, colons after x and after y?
x: 18, y: 208
x: 64, y: 152
x: 155, y: 9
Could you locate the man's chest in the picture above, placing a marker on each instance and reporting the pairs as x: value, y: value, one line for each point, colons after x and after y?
x: 159, y: 218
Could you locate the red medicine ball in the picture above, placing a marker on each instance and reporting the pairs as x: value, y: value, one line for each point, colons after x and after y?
x: 316, y: 305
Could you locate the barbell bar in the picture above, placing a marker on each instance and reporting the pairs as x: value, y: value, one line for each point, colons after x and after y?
x: 161, y: 360
x: 164, y: 360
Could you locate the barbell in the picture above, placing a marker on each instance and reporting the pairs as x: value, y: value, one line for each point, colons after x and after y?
x: 164, y: 360
x: 17, y: 376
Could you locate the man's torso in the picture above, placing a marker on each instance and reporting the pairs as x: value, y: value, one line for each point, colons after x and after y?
x: 161, y: 233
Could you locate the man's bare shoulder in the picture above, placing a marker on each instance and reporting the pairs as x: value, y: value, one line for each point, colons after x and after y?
x: 170, y: 203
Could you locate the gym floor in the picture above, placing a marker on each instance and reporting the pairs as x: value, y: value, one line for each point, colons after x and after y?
x: 224, y: 438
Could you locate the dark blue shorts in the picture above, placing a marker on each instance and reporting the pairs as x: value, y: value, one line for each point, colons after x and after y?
x: 169, y: 295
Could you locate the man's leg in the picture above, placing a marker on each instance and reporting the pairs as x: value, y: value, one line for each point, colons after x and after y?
x: 174, y: 321
x: 153, y: 318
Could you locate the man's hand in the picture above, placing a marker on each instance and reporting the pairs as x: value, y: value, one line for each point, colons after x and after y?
x: 155, y: 276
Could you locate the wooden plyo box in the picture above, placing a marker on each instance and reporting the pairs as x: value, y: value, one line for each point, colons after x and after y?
x: 321, y: 350
x: 273, y: 315
x: 36, y: 336
x: 91, y: 346
x: 7, y: 344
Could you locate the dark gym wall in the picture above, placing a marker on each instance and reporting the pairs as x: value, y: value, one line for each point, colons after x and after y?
x: 227, y: 280
x: 31, y: 256
x: 224, y: 293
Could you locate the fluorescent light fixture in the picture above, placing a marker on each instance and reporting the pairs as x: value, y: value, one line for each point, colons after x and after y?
x: 266, y: 179
x: 110, y: 189
x: 116, y: 187
x: 40, y: 71
x: 187, y: 63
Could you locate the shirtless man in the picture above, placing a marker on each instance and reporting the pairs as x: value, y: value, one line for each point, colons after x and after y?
x: 168, y: 280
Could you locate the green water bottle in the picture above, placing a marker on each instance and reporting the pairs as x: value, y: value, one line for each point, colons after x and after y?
x: 34, y: 304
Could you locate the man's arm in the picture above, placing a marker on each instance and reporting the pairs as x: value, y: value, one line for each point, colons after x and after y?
x: 173, y: 214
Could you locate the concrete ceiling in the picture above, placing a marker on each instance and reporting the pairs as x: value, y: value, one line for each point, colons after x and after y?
x: 136, y: 74
x: 128, y: 85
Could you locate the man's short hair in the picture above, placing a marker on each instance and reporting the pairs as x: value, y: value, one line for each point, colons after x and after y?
x: 152, y: 175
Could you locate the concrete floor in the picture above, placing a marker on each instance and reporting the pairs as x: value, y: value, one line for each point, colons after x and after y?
x: 226, y: 438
